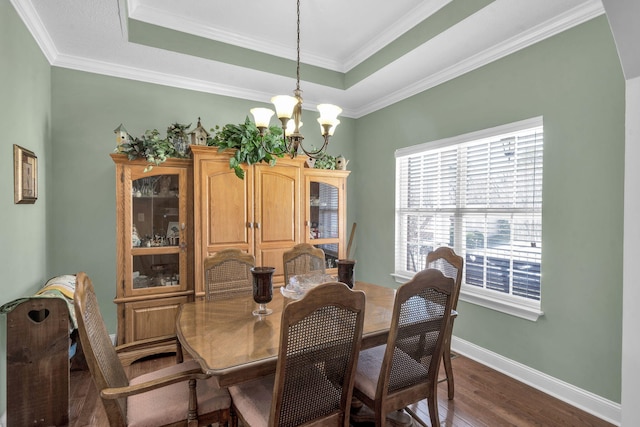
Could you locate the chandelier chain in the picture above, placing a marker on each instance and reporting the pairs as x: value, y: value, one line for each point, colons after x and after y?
x: 298, y: 49
x: 290, y: 113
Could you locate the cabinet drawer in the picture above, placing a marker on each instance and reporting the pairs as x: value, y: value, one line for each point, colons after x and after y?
x: 151, y: 318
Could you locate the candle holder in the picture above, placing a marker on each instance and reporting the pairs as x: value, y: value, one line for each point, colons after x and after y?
x: 262, y: 289
x: 345, y: 271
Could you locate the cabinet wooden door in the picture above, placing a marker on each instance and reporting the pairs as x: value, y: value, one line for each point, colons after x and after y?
x: 225, y: 206
x: 150, y: 319
x: 277, y: 214
x: 260, y: 214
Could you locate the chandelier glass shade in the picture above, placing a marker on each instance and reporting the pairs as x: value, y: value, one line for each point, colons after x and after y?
x: 289, y: 112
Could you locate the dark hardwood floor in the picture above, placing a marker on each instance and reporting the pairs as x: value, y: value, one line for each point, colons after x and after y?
x: 484, y: 397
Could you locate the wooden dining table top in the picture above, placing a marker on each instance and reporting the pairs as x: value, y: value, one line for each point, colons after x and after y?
x: 233, y: 345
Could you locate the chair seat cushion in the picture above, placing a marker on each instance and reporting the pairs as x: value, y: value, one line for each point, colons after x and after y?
x: 170, y: 404
x: 370, y: 363
x: 252, y: 399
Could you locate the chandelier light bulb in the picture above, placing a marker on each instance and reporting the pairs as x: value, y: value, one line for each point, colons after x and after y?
x: 291, y: 126
x: 284, y: 105
x: 328, y: 114
x: 332, y: 128
x: 262, y: 117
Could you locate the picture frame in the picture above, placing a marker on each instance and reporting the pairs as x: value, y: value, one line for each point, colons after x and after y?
x: 173, y: 230
x: 25, y: 175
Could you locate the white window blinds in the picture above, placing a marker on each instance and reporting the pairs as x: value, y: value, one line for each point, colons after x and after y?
x: 480, y: 194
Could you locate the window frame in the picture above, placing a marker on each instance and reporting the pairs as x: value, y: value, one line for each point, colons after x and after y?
x: 507, y: 303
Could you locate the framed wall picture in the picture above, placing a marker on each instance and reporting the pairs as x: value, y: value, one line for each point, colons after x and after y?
x: 25, y: 175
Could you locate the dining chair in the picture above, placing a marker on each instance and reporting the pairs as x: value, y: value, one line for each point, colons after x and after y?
x: 228, y: 273
x: 177, y: 395
x: 392, y: 376
x: 302, y: 258
x: 313, y: 384
x: 451, y: 265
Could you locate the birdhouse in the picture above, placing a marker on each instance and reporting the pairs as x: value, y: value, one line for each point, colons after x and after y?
x: 199, y: 135
x: 122, y: 135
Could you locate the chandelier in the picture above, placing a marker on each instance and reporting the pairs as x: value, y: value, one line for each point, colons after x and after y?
x: 289, y: 111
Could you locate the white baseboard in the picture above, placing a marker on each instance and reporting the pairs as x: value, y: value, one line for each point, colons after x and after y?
x: 113, y: 339
x: 3, y: 420
x: 585, y: 400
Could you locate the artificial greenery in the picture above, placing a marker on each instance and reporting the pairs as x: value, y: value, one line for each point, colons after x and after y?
x: 245, y: 138
x: 154, y: 149
x: 326, y: 161
x: 177, y: 130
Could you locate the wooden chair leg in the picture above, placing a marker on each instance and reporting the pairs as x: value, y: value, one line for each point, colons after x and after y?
x: 432, y: 402
x: 446, y: 359
x: 192, y: 417
x: 179, y: 354
x: 234, y: 418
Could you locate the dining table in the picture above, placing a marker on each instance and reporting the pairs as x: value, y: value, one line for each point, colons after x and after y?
x: 233, y: 345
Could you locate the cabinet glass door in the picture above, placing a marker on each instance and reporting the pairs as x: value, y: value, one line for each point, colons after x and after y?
x: 156, y: 229
x: 324, y: 219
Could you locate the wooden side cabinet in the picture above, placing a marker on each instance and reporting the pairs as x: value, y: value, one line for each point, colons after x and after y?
x: 154, y: 247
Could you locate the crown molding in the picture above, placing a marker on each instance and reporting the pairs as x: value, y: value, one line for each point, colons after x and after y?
x: 547, y: 29
x: 407, y: 22
x: 556, y: 25
x: 155, y: 16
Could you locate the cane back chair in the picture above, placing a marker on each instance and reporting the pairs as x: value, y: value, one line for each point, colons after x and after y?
x: 392, y: 376
x: 301, y: 259
x: 319, y: 342
x: 451, y: 265
x: 179, y: 395
x: 228, y: 273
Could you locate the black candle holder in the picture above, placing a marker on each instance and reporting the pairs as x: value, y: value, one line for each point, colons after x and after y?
x: 262, y: 289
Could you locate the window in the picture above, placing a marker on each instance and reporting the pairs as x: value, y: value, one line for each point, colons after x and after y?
x: 481, y: 194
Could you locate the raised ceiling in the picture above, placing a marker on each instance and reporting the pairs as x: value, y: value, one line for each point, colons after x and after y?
x: 360, y: 54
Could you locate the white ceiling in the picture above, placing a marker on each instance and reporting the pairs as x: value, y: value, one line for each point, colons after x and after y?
x: 92, y: 35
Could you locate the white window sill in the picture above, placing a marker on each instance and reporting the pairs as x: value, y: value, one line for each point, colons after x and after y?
x: 494, y: 301
x: 503, y: 305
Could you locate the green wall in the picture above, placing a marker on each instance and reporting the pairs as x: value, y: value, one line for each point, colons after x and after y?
x: 25, y: 119
x: 575, y: 82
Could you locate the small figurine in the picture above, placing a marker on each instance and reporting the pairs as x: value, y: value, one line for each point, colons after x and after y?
x: 135, y: 239
x: 199, y: 135
x: 341, y: 163
x: 122, y: 135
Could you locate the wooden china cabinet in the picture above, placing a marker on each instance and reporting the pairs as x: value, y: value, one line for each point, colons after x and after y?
x: 154, y: 249
x: 260, y: 214
x: 325, y: 213
x: 170, y: 218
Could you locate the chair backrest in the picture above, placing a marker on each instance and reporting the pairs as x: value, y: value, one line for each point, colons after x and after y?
x: 319, y: 345
x: 421, y: 312
x: 302, y: 258
x: 228, y: 273
x: 104, y: 364
x: 450, y: 264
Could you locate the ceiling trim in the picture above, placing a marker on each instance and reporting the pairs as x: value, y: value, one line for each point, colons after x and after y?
x: 407, y: 22
x: 545, y: 30
x: 155, y: 16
